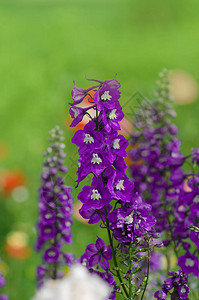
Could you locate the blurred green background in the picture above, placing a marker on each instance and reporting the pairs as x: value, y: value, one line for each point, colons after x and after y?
x: 44, y: 46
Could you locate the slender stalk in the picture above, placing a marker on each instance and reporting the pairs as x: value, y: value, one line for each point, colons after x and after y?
x: 130, y: 275
x: 114, y: 257
x: 148, y: 267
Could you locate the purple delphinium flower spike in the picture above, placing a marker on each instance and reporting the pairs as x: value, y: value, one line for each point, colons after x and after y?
x: 55, y: 210
x: 110, y: 198
x: 159, y: 176
x: 2, y: 284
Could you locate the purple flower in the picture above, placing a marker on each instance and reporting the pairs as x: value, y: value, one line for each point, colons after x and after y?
x: 195, y: 155
x: 48, y: 231
x: 160, y: 295
x: 51, y: 255
x: 2, y: 284
x: 120, y: 186
x: 3, y: 297
x: 98, y: 253
x: 189, y: 264
x: 106, y: 97
x: 94, y: 162
x: 183, y: 291
x: 117, y: 145
x: 194, y: 236
x: 95, y: 196
x: 78, y: 94
x: 69, y: 258
x: 88, y: 139
x: 77, y: 113
x: 112, y: 117
x: 2, y: 281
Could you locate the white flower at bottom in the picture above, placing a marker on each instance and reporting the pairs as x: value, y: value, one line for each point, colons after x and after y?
x: 49, y: 291
x: 78, y: 285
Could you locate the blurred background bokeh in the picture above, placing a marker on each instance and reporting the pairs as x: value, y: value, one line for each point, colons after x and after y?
x: 44, y: 46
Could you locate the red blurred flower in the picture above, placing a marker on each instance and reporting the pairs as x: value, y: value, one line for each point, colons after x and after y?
x: 9, y: 180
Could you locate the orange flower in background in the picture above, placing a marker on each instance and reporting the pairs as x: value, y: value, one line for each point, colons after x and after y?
x: 9, y: 180
x: 186, y: 186
x: 184, y: 87
x: 16, y: 245
x: 76, y: 213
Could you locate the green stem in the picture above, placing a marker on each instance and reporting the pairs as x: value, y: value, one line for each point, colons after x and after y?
x: 130, y: 275
x: 114, y: 257
x: 147, y: 276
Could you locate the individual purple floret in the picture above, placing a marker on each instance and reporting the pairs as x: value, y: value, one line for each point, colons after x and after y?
x: 2, y: 284
x: 55, y: 210
x: 175, y: 286
x: 111, y: 198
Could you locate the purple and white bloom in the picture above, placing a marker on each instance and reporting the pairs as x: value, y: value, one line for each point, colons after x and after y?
x: 106, y: 97
x: 88, y: 139
x: 51, y: 255
x: 112, y: 117
x: 189, y: 263
x: 95, y: 196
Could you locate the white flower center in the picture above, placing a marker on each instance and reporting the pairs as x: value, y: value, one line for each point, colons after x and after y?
x: 95, y: 195
x: 84, y: 262
x: 88, y: 139
x: 65, y: 197
x: 120, y: 185
x: 196, y: 199
x: 183, y: 290
x: 129, y: 219
x: 106, y: 96
x: 116, y: 144
x: 112, y: 115
x: 51, y: 253
x: 181, y: 208
x: 137, y: 225
x: 189, y: 262
x: 96, y: 159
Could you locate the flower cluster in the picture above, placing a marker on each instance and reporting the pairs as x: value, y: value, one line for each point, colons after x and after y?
x: 156, y: 154
x: 55, y: 208
x: 110, y: 198
x: 175, y: 286
x: 2, y: 284
x: 159, y: 176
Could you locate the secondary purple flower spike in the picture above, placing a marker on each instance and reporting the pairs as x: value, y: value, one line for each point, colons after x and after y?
x: 55, y: 208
